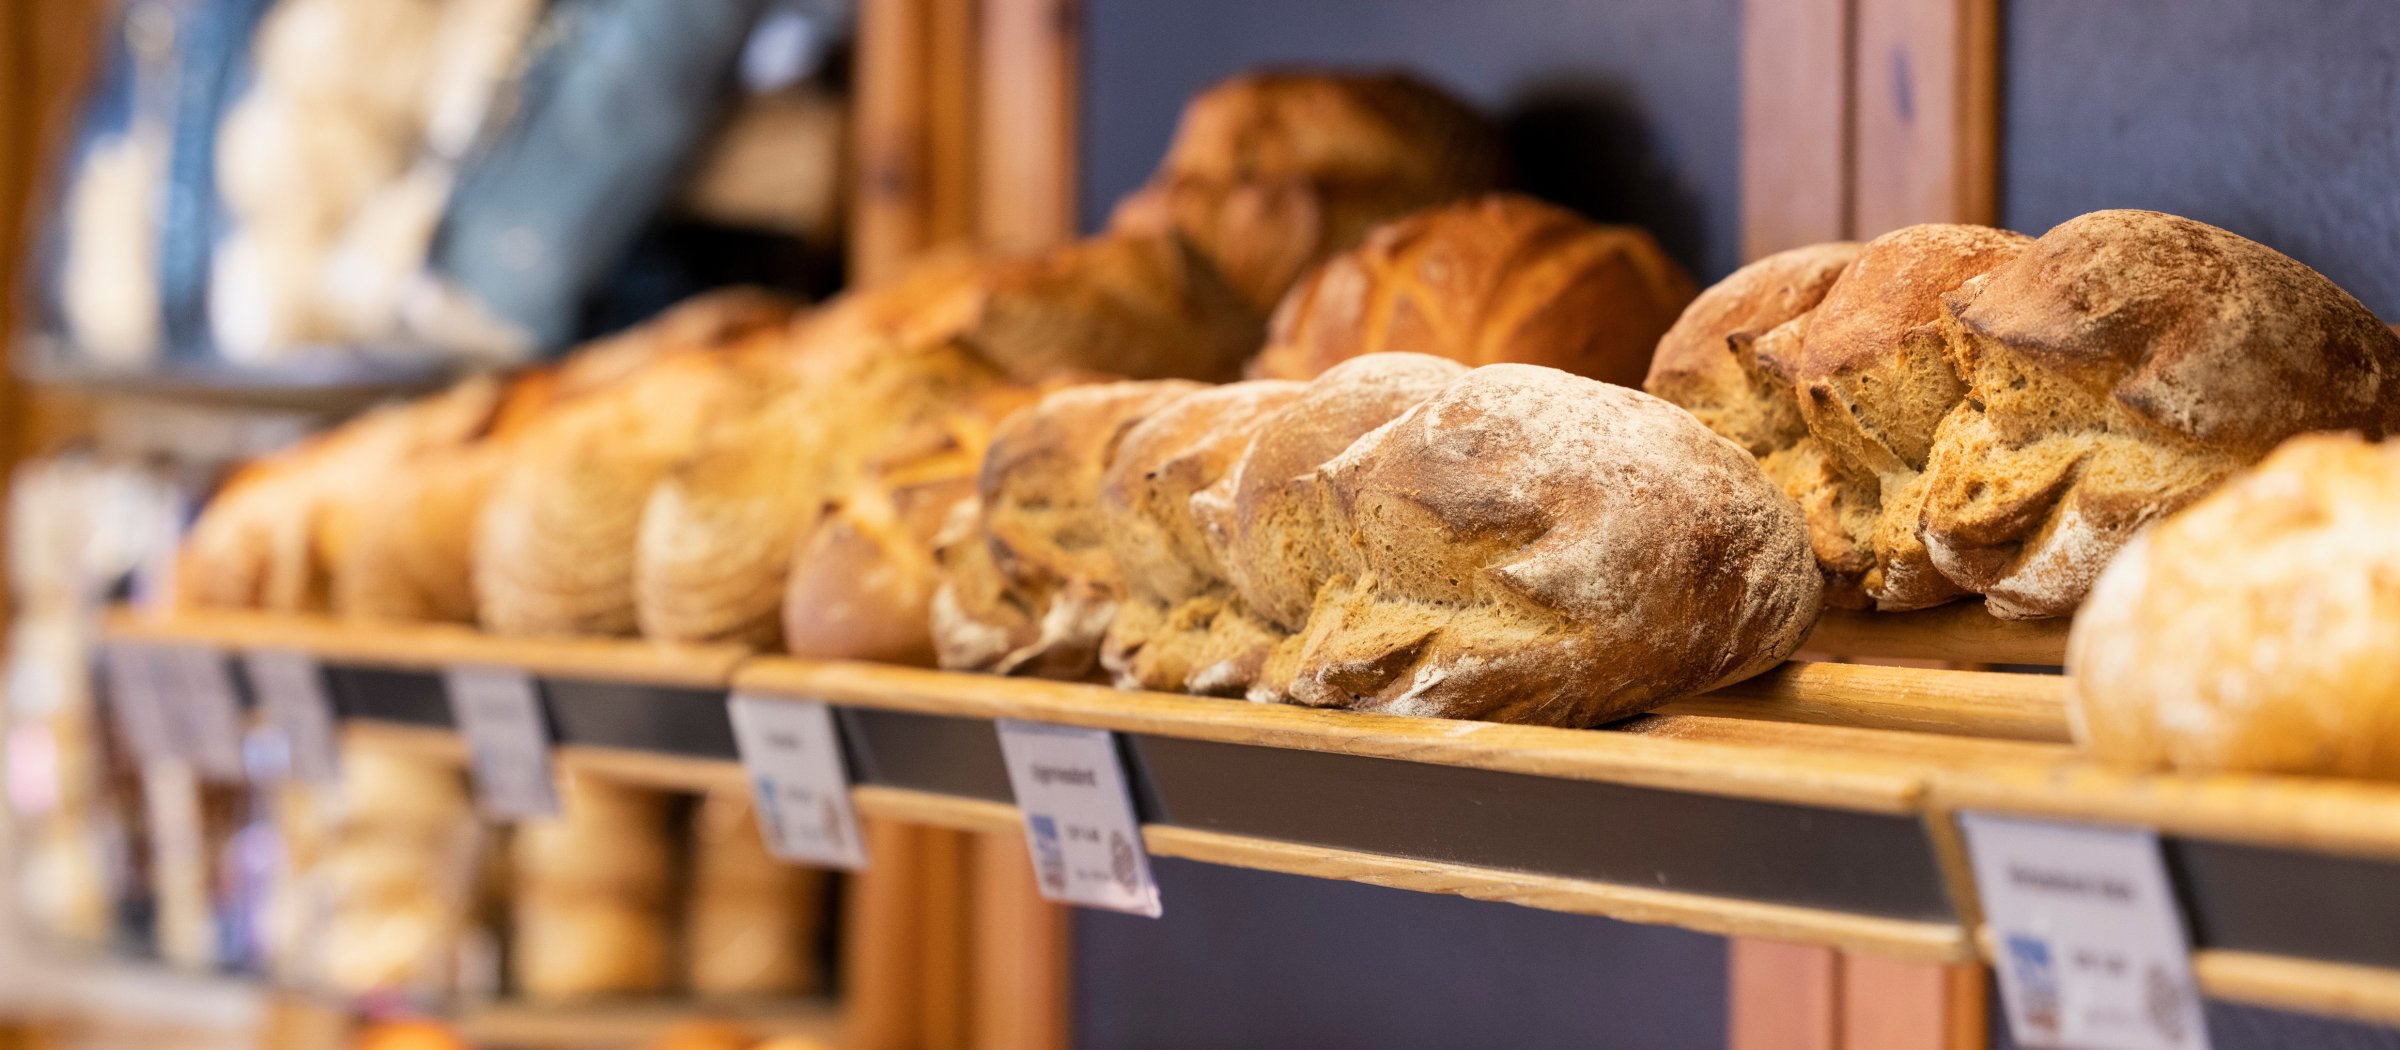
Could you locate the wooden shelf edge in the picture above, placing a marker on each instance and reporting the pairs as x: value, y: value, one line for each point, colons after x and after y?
x: 1807, y: 765
x: 2358, y: 993
x: 1960, y: 631
x: 430, y: 646
x: 1893, y: 938
x: 635, y: 1023
x: 2306, y: 814
x: 940, y: 811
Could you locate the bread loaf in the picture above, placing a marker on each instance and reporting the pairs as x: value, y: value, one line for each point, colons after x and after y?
x: 1270, y: 172
x: 1525, y: 545
x: 555, y: 545
x: 864, y: 572
x: 1144, y: 306
x: 1499, y: 278
x: 1028, y: 584
x: 1179, y: 626
x: 272, y: 534
x: 2123, y: 366
x: 588, y: 904
x: 2253, y: 630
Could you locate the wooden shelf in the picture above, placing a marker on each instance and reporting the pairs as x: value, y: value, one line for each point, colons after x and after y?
x: 633, y: 1024
x: 1815, y: 803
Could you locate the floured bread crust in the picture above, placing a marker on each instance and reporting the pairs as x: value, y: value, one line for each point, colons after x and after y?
x: 1530, y: 546
x: 2254, y: 631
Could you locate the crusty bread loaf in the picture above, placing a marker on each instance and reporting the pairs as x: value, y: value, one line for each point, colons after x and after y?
x: 1177, y: 628
x: 1028, y: 584
x: 1531, y: 546
x: 410, y: 532
x: 590, y: 892
x: 2253, y: 631
x: 2123, y: 366
x: 1144, y: 306
x: 1983, y: 414
x: 555, y: 545
x: 864, y: 571
x: 1272, y: 171
x: 1498, y: 278
x: 272, y: 534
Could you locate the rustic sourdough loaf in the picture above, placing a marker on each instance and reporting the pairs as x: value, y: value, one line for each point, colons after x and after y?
x: 1272, y: 171
x: 1498, y: 278
x: 1530, y: 546
x: 1178, y: 627
x: 2253, y: 631
x: 2122, y: 367
x: 1028, y: 584
x: 1983, y: 414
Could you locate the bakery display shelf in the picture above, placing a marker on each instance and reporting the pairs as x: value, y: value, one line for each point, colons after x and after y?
x: 1815, y: 803
x: 312, y: 377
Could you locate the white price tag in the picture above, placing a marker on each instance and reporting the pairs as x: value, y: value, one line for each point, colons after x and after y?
x: 2090, y: 949
x: 508, y: 740
x: 1079, y: 821
x: 137, y: 700
x: 290, y: 689
x: 794, y: 758
x: 203, y: 712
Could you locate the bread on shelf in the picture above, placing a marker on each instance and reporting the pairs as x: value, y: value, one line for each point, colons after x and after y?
x: 1966, y: 411
x: 590, y: 895
x: 754, y: 926
x: 1272, y: 171
x: 1494, y: 279
x: 2253, y: 631
x: 1028, y: 584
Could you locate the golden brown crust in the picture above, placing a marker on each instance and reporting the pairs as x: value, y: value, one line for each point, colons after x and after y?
x: 1176, y: 628
x: 1029, y: 587
x: 1499, y: 278
x: 1144, y: 306
x: 1530, y: 546
x: 1272, y: 171
x: 2252, y: 632
x: 1707, y: 363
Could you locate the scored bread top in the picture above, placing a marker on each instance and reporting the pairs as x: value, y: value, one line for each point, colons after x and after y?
x: 1497, y: 278
x: 1705, y: 362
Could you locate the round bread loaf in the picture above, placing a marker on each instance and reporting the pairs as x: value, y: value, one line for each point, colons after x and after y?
x: 1708, y: 361
x: 1028, y: 584
x: 1499, y: 278
x: 2254, y: 631
x: 1175, y: 629
x: 1272, y: 171
x: 2123, y: 366
x: 1532, y: 546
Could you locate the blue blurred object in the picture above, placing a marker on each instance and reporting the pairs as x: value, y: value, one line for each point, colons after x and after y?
x: 616, y: 97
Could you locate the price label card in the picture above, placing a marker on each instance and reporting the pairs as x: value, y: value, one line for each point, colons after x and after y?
x: 508, y: 740
x: 290, y: 689
x: 203, y: 711
x: 137, y: 700
x: 794, y: 758
x: 1079, y: 820
x: 2089, y: 946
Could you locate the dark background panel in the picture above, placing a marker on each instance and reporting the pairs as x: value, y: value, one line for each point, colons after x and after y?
x: 1264, y: 961
x: 2276, y: 119
x: 1627, y: 110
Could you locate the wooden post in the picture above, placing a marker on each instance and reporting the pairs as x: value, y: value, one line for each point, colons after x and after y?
x: 1782, y: 996
x: 1029, y: 59
x: 1021, y: 989
x: 1796, y: 126
x: 1927, y: 87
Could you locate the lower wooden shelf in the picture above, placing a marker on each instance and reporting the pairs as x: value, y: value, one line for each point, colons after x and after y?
x: 1815, y: 803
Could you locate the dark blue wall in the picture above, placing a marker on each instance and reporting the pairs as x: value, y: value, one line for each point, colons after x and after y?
x: 2277, y: 119
x: 1628, y: 110
x: 1265, y: 962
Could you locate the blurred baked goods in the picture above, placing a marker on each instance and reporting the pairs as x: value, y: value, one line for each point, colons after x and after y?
x: 754, y: 926
x: 2253, y: 630
x: 590, y: 895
